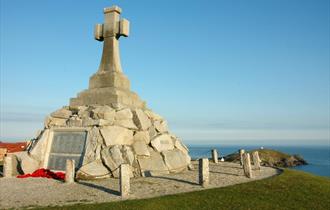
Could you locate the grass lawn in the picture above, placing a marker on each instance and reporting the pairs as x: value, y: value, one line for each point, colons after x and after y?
x: 291, y: 190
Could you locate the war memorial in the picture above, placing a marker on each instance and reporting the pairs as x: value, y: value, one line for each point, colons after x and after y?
x: 107, y: 125
x: 112, y: 146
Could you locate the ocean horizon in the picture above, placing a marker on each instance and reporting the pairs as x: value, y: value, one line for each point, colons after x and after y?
x: 317, y: 156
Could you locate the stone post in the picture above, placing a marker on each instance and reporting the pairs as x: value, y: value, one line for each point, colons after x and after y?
x: 247, y: 165
x: 204, y: 172
x: 10, y: 166
x: 256, y: 160
x: 215, y: 155
x: 124, y: 180
x: 70, y: 171
x: 241, y: 152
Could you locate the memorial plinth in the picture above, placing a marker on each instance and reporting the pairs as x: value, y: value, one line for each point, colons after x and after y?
x: 107, y: 125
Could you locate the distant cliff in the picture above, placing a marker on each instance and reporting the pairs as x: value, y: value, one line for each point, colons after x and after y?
x: 272, y: 158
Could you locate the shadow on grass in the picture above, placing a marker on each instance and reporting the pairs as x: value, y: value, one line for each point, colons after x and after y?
x: 101, y: 188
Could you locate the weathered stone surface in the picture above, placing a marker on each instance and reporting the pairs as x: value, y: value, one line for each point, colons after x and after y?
x: 162, y: 143
x: 247, y: 165
x: 39, y: 149
x: 175, y: 160
x: 87, y: 122
x: 152, y: 132
x: 102, y: 122
x: 140, y: 148
x: 55, y: 122
x: 142, y: 136
x: 94, y: 169
x: 124, y: 180
x: 93, y: 146
x: 124, y: 114
x: 115, y: 135
x: 75, y: 122
x: 141, y: 119
x: 128, y: 154
x: 152, y: 166
x: 214, y: 155
x: 178, y: 144
x: 241, y: 152
x: 84, y: 112
x: 153, y: 116
x: 61, y: 113
x: 161, y: 126
x: 256, y: 160
x: 10, y: 166
x: 70, y: 171
x: 112, y: 158
x: 29, y: 164
x: 104, y: 112
x: 127, y: 123
x: 203, y: 169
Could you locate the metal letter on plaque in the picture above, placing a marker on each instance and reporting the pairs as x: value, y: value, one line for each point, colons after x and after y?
x: 66, y: 145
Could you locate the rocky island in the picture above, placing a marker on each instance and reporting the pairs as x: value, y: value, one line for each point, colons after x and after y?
x: 271, y: 157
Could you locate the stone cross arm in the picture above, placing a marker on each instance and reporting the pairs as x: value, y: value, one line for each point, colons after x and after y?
x: 113, y: 26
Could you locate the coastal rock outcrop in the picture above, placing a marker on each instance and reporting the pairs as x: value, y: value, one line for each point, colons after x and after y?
x: 272, y: 158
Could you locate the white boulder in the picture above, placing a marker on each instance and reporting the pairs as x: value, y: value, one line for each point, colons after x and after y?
x: 161, y: 126
x: 62, y: 113
x: 94, y: 170
x: 124, y: 114
x: 152, y: 166
x: 116, y: 135
x: 162, y: 142
x: 142, y: 136
x: 175, y: 160
x: 141, y: 119
x: 141, y: 149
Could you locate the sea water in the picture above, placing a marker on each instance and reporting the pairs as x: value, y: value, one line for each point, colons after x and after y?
x: 317, y: 157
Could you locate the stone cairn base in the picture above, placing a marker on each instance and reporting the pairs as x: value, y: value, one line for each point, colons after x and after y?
x: 116, y: 135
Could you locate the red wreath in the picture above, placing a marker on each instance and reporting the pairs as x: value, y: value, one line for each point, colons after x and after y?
x: 46, y: 173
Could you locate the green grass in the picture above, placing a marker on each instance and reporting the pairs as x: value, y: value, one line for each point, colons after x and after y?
x: 290, y: 190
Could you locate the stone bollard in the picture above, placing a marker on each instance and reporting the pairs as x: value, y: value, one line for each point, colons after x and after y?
x: 256, y: 160
x: 215, y: 155
x: 124, y: 180
x: 204, y: 172
x: 241, y: 152
x: 70, y: 171
x: 247, y: 165
x: 10, y: 166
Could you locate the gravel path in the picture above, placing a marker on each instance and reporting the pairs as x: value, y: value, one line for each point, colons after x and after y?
x: 32, y: 192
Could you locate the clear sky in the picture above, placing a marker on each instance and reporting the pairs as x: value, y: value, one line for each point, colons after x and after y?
x: 224, y: 72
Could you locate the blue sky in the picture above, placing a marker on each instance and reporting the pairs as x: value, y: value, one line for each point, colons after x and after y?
x: 224, y: 72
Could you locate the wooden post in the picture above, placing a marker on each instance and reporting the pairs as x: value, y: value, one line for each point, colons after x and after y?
x: 204, y: 172
x: 215, y: 155
x: 124, y: 180
x: 247, y: 165
x: 70, y: 171
x: 256, y: 160
x: 241, y: 152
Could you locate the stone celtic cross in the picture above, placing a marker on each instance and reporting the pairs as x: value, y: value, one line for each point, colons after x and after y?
x: 109, y: 85
x: 109, y: 32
